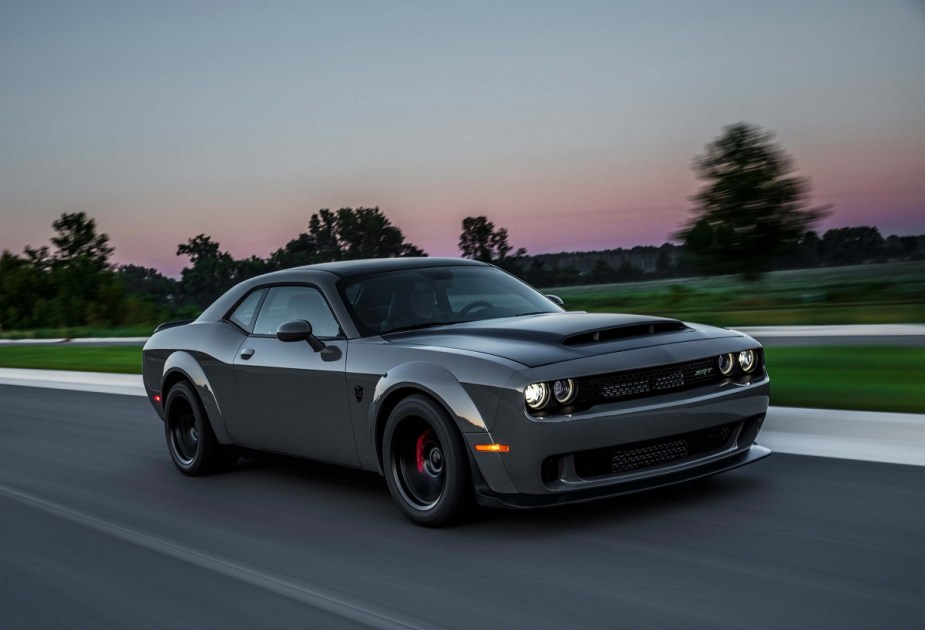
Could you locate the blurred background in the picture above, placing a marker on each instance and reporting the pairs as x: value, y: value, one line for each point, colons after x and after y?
x: 740, y: 164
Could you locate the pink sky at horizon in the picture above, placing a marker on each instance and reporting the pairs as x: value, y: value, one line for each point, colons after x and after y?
x: 643, y: 207
x: 573, y: 126
x: 532, y: 215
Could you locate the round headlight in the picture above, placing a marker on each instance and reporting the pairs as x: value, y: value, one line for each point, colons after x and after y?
x: 747, y: 360
x: 536, y: 395
x: 727, y: 363
x: 564, y: 390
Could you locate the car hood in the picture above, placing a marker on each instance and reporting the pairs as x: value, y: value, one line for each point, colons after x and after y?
x: 536, y: 340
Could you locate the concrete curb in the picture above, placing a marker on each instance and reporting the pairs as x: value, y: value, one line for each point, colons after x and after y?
x: 82, y: 340
x: 895, y: 438
x: 103, y: 383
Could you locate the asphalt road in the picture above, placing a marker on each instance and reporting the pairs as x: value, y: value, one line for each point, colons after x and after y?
x: 98, y: 530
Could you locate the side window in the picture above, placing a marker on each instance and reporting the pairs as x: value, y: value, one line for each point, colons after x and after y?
x: 243, y: 315
x: 286, y: 304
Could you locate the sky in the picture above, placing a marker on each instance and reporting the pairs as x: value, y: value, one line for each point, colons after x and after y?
x: 572, y: 124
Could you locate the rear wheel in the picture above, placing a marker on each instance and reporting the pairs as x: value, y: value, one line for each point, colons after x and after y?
x: 426, y: 468
x: 190, y: 440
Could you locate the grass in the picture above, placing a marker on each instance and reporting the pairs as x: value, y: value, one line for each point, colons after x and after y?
x: 873, y: 378
x: 118, y: 359
x: 868, y: 378
x: 75, y: 332
x: 862, y: 294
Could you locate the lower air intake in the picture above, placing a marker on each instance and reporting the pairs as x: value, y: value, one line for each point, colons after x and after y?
x: 658, y: 452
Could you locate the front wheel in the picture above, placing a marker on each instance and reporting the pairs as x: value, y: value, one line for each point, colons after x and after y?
x: 190, y: 440
x: 426, y: 468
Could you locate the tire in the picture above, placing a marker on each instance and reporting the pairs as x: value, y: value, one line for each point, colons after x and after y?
x: 190, y: 440
x: 425, y: 463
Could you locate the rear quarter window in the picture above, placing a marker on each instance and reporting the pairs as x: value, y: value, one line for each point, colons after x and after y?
x: 244, y: 313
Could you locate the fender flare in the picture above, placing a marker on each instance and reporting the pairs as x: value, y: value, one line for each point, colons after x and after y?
x: 431, y: 379
x: 185, y: 364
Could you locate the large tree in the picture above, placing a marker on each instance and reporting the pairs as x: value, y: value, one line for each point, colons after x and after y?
x: 78, y: 243
x: 752, y: 209
x: 348, y: 234
x: 480, y: 240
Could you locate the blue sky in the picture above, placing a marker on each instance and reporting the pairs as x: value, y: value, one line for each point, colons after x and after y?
x: 572, y: 124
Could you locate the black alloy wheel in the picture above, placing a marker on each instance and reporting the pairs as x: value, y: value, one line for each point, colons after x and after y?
x: 190, y: 440
x: 425, y: 464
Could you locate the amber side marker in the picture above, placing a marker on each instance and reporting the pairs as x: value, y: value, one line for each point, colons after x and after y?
x: 492, y: 448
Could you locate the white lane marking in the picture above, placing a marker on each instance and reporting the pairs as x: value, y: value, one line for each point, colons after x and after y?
x: 310, y: 595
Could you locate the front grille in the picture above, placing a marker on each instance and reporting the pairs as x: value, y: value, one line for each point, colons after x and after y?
x: 658, y: 452
x: 639, y: 383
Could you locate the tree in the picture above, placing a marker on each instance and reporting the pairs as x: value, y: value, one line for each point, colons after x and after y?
x: 853, y: 245
x: 348, y: 234
x: 148, y: 282
x: 78, y: 243
x: 212, y: 271
x: 480, y: 240
x: 752, y: 209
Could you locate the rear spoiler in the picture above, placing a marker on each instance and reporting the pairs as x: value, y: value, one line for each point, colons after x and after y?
x: 167, y: 325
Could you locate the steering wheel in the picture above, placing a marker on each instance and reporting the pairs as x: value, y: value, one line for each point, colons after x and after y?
x: 471, y: 306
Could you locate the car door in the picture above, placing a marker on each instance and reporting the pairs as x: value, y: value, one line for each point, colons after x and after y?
x: 292, y: 399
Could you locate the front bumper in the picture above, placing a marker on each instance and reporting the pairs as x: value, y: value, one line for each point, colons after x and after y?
x: 652, y: 442
x: 486, y: 497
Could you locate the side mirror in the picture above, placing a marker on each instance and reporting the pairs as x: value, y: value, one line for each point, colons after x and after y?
x: 555, y: 299
x: 299, y: 330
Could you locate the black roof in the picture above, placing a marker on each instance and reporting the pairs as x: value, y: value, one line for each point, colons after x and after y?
x: 350, y: 268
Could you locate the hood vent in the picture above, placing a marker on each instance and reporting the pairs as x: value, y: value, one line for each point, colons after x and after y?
x: 623, y: 332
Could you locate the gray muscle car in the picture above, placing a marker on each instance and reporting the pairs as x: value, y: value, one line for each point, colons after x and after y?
x: 457, y: 382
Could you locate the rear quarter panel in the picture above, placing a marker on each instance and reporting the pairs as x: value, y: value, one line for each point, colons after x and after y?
x: 203, y: 352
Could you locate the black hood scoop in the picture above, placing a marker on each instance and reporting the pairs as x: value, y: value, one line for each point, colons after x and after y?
x: 623, y: 332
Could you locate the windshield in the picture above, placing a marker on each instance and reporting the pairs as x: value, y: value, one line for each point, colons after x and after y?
x: 419, y: 298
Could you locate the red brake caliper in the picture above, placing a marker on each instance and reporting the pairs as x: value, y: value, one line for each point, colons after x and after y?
x: 419, y: 450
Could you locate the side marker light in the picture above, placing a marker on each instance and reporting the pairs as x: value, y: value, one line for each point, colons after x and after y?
x: 493, y: 448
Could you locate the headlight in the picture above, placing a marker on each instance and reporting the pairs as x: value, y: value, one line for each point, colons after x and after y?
x: 564, y: 390
x: 727, y: 363
x: 536, y: 395
x: 747, y: 360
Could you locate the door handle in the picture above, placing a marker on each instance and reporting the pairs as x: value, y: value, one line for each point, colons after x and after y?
x: 247, y: 353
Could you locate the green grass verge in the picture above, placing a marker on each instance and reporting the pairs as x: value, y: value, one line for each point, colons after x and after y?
x: 118, y: 359
x: 868, y: 378
x: 75, y: 332
x: 885, y: 293
x: 872, y: 378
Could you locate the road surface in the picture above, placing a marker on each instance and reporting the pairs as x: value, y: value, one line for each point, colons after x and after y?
x: 99, y: 530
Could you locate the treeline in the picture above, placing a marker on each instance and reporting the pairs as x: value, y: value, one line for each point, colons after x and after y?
x: 73, y: 283
x: 836, y: 247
